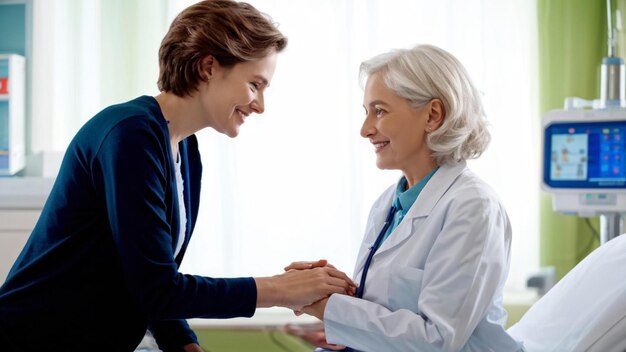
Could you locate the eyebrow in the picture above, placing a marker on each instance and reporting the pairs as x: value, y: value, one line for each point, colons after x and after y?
x: 377, y: 102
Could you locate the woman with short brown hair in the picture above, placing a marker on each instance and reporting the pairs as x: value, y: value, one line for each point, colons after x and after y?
x: 101, y: 265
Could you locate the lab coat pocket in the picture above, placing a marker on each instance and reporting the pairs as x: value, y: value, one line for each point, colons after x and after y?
x: 405, y: 285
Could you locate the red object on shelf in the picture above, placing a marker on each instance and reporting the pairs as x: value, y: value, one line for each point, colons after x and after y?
x: 4, y: 85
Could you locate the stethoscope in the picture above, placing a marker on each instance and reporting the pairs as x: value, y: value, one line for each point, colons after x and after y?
x: 373, y: 249
x: 368, y: 261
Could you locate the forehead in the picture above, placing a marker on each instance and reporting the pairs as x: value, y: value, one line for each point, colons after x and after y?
x: 376, y: 88
x: 263, y: 67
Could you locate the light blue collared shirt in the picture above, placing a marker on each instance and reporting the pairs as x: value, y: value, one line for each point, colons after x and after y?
x: 404, y: 199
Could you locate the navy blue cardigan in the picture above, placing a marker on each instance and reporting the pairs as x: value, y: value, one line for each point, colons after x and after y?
x: 99, y: 267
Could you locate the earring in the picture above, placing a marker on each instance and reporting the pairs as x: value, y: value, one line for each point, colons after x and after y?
x: 428, y: 130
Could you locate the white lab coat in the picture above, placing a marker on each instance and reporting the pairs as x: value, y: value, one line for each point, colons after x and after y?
x: 436, y: 283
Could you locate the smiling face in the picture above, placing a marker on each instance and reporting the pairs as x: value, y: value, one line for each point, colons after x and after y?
x: 231, y: 94
x: 397, y: 131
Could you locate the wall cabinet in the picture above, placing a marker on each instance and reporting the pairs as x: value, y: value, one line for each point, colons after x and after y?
x: 12, y: 114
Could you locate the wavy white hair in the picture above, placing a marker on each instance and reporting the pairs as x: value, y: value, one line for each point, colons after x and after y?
x: 427, y: 72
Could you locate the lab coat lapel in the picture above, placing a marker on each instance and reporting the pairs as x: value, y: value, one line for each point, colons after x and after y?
x: 436, y: 187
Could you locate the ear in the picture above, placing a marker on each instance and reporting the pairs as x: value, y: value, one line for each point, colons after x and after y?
x: 207, y: 67
x: 436, y: 114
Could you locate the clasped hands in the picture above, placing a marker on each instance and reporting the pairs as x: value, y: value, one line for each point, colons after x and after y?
x: 305, y: 288
x: 317, y: 307
x: 316, y: 335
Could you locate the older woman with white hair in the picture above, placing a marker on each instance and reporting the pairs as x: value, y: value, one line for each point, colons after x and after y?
x: 435, y: 254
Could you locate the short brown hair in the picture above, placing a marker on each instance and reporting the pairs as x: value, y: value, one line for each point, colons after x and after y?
x: 230, y: 31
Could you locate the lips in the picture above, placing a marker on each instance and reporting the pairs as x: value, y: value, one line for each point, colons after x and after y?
x: 242, y: 115
x: 378, y: 146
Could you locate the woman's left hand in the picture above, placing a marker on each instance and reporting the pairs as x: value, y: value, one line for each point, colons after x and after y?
x: 308, y: 265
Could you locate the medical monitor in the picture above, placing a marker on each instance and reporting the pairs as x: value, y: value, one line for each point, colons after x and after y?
x: 584, y: 161
x: 585, y: 152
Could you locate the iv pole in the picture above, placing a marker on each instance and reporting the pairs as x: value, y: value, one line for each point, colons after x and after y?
x: 612, y: 94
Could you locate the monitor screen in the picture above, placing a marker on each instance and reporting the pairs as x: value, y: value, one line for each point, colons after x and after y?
x: 590, y: 154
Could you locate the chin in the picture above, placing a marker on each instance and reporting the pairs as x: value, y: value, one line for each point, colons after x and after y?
x: 381, y: 164
x: 232, y: 133
x: 386, y: 166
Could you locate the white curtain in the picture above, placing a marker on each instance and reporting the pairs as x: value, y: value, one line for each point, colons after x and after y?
x: 87, y: 54
x: 298, y: 182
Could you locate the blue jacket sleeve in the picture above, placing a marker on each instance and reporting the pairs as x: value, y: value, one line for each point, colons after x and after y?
x: 132, y: 168
x: 172, y: 335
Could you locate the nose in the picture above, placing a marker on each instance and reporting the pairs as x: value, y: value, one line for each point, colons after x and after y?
x: 368, y: 129
x: 258, y: 104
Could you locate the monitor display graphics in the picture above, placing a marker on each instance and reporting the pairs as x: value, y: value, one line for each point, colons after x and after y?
x: 585, y: 154
x: 569, y: 157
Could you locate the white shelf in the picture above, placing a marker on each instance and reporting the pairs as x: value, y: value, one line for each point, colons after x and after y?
x: 12, y: 120
x: 24, y: 192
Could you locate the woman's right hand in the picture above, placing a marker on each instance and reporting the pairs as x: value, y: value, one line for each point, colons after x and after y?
x: 297, y: 288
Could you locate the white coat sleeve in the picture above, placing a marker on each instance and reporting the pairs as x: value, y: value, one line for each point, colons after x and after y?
x: 464, y: 270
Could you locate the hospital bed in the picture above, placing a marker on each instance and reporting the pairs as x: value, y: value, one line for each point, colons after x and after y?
x: 585, y: 311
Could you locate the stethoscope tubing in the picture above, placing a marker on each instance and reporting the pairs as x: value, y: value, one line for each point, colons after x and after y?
x: 360, y: 290
x: 373, y: 249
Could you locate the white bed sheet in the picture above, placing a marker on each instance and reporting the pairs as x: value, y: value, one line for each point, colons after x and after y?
x: 585, y: 311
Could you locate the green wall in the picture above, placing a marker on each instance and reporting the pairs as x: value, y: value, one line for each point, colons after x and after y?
x: 572, y: 42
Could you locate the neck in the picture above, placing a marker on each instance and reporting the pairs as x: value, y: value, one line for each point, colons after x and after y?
x: 417, y: 173
x: 183, y: 116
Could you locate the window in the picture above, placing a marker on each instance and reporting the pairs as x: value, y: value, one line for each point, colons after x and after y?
x: 298, y: 182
